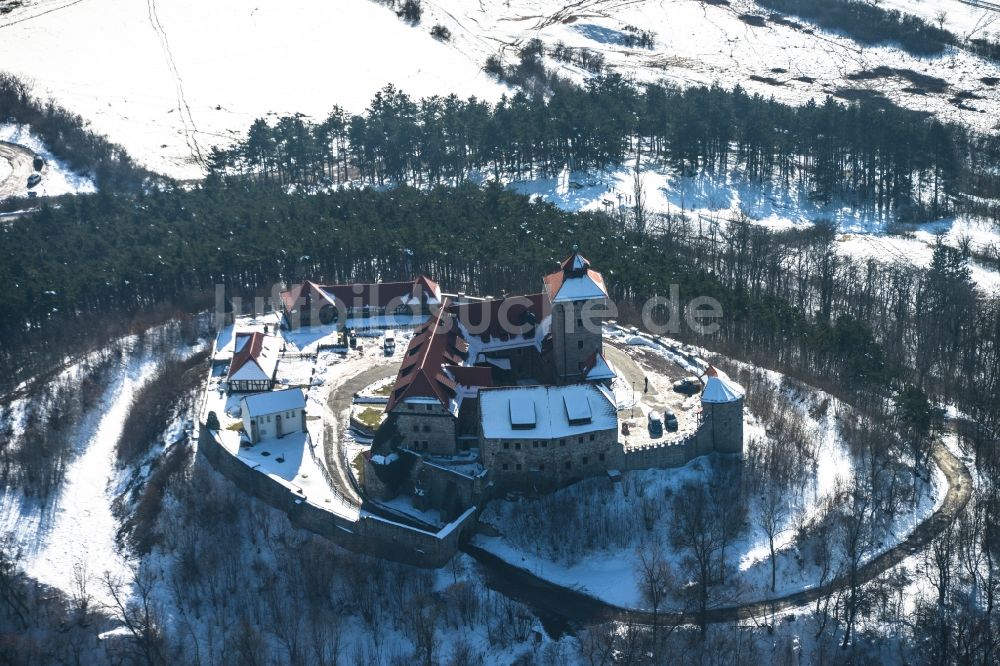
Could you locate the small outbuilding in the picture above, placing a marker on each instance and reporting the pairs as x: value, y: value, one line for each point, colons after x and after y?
x: 274, y: 414
x: 255, y: 360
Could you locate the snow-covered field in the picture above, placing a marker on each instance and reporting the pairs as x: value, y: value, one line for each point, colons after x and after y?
x: 708, y: 201
x: 168, y: 79
x: 700, y: 43
x: 57, y: 178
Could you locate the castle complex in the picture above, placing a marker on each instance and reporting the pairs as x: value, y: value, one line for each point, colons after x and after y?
x: 515, y: 393
x: 491, y: 395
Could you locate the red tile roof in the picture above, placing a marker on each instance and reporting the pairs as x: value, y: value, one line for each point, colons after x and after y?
x: 436, y: 344
x: 471, y: 375
x: 574, y: 266
x: 500, y: 318
x: 250, y: 351
x: 360, y: 295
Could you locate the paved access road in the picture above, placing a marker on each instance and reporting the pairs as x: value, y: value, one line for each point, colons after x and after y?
x: 339, y: 406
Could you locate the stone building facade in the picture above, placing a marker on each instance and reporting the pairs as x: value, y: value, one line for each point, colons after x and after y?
x: 514, y: 394
x: 577, y: 295
x: 543, y: 437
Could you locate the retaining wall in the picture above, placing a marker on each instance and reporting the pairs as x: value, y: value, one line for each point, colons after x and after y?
x: 368, y: 534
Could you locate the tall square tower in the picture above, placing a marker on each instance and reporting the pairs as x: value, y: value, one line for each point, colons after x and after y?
x: 577, y: 297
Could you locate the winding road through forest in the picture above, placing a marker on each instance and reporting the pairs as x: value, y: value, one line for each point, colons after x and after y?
x: 562, y: 607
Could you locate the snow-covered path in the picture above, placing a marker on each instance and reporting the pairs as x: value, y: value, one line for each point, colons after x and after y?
x: 82, y: 531
x: 74, y: 534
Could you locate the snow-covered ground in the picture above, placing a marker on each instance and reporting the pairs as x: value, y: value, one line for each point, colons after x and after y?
x: 72, y: 537
x: 965, y: 19
x: 709, y: 201
x: 610, y: 573
x: 699, y: 43
x: 57, y: 178
x: 168, y: 79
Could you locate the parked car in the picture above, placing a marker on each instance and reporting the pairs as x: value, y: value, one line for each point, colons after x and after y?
x: 655, y: 424
x: 38, y: 163
x: 34, y: 179
x: 688, y: 385
x: 670, y: 420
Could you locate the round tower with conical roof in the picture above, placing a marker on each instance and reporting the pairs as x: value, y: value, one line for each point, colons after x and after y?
x: 576, y: 296
x: 722, y: 413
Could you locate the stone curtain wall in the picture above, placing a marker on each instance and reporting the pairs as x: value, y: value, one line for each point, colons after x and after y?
x: 370, y: 534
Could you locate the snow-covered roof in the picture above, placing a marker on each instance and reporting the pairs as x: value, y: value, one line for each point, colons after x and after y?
x: 720, y: 389
x: 588, y: 286
x: 522, y: 411
x: 597, y: 367
x: 575, y: 281
x: 546, y: 412
x: 273, y: 402
x: 255, y: 357
x: 577, y: 407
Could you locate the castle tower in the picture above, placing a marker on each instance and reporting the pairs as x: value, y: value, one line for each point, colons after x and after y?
x: 722, y: 410
x: 577, y: 297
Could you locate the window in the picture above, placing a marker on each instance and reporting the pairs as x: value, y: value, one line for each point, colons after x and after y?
x: 568, y: 464
x: 545, y: 445
x: 579, y: 322
x: 586, y: 460
x: 427, y: 428
x: 505, y: 467
x: 579, y: 440
x: 534, y: 444
x: 506, y: 445
x: 268, y: 418
x: 518, y: 467
x: 409, y: 406
x: 517, y: 445
x: 430, y: 407
x: 541, y: 467
x: 601, y: 457
x: 579, y: 344
x: 562, y: 442
x: 591, y: 438
x: 416, y: 428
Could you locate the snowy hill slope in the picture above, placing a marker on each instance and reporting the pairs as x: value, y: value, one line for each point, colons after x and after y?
x: 168, y: 79
x: 698, y: 42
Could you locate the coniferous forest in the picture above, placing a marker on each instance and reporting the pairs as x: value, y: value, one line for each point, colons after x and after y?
x: 873, y: 157
x: 789, y: 299
x: 417, y: 186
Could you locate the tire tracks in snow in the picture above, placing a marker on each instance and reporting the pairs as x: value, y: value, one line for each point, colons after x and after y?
x: 183, y: 108
x: 40, y: 14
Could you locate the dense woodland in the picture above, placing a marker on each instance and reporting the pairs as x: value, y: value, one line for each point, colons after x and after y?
x: 789, y: 299
x: 869, y: 23
x: 875, y: 158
